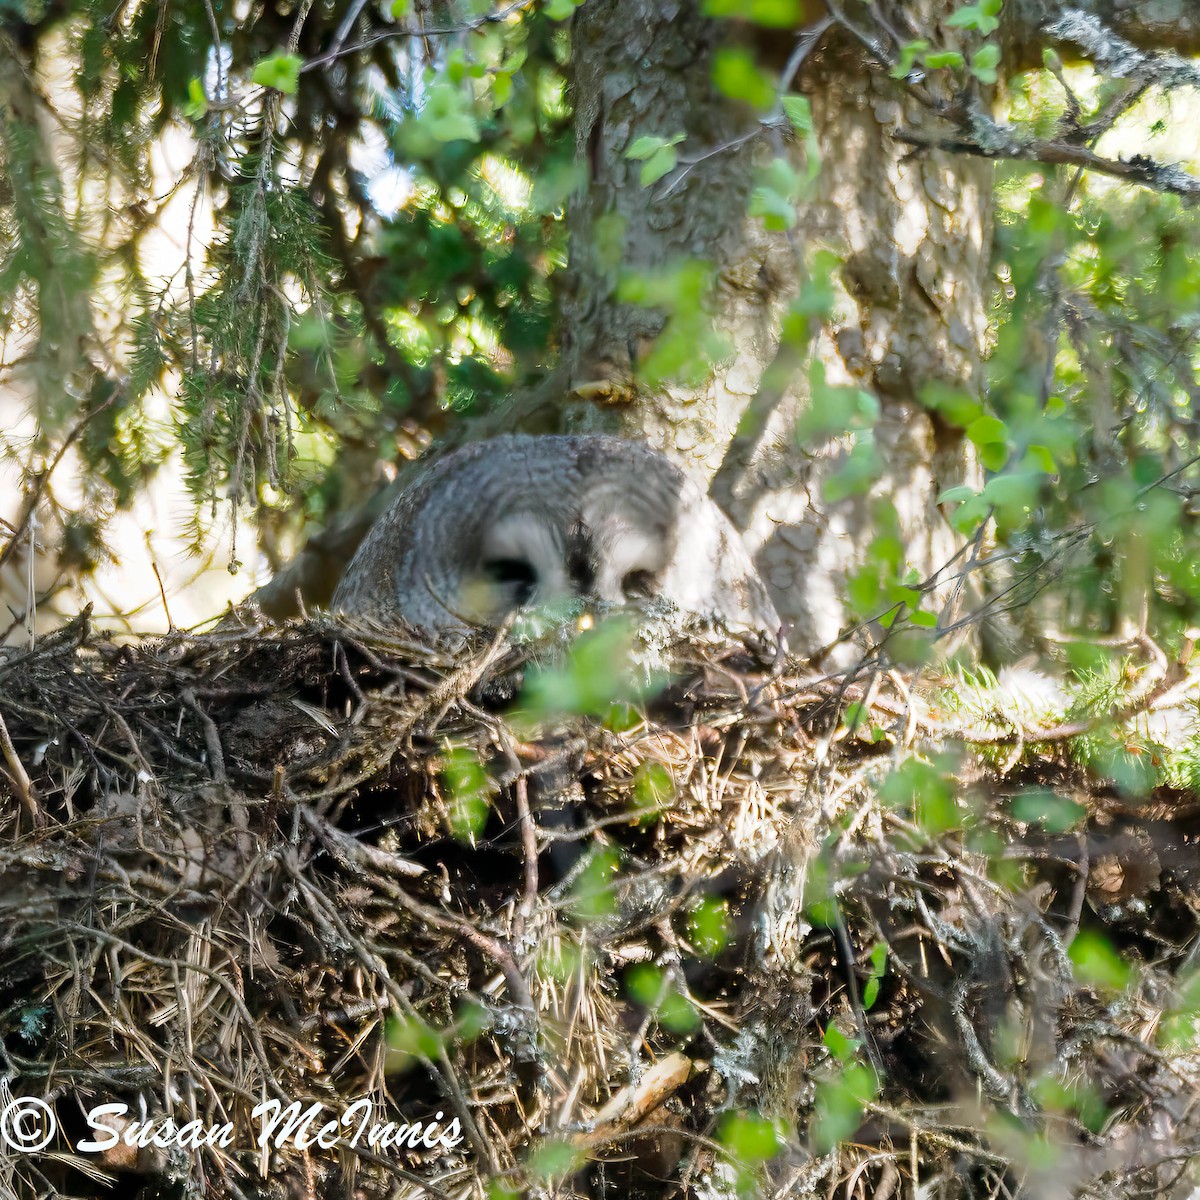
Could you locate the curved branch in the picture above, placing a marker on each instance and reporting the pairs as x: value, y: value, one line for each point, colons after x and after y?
x: 1171, y: 25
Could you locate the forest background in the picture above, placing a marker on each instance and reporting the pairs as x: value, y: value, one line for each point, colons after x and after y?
x: 915, y: 288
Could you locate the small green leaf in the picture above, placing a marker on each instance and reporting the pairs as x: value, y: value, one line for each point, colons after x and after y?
x: 955, y: 494
x: 447, y: 115
x: 553, y: 1160
x: 1054, y: 813
x: 592, y: 896
x: 943, y: 59
x: 798, y: 111
x: 678, y: 1014
x: 648, y: 145
x: 279, y: 71
x: 657, y: 155
x: 645, y: 984
x: 749, y: 1138
x: 736, y: 76
x: 984, y: 62
x: 878, y: 969
x: 470, y: 789
x: 197, y: 105
x: 910, y: 53
x: 1098, y: 963
x: 773, y: 14
x: 839, y: 1105
x: 502, y: 88
x: 982, y: 17
x: 660, y: 163
x: 400, y: 9
x: 1041, y: 458
x: 410, y: 1037
x: 987, y: 430
x: 653, y: 788
x: 855, y: 476
x: 839, y: 1045
x: 561, y: 10
x: 777, y: 211
x: 708, y: 926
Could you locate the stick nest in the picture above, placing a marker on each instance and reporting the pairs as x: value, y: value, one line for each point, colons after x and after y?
x: 757, y: 931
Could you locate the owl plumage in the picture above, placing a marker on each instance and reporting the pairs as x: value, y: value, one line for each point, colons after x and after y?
x: 545, y: 522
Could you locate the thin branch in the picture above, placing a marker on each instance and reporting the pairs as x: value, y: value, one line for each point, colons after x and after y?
x: 1139, y: 169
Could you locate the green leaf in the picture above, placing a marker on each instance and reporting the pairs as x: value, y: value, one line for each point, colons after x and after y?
x: 777, y: 211
x: 920, y: 788
x: 1013, y: 495
x: 749, y: 1138
x: 1041, y: 458
x: 554, y: 1160
x: 910, y: 52
x: 653, y: 789
x: 502, y: 88
x: 592, y: 896
x: 596, y: 673
x: 1054, y: 813
x: 1098, y: 963
x: 279, y: 71
x: 678, y: 1014
x: 982, y: 17
x: 447, y: 115
x: 709, y: 927
x: 955, y: 494
x: 736, y: 76
x: 993, y: 455
x: 779, y: 186
x: 839, y: 1045
x: 471, y: 788
x: 987, y: 431
x: 772, y: 14
x: 648, y: 145
x: 862, y: 467
x: 410, y: 1037
x: 657, y: 155
x: 798, y: 111
x: 657, y: 165
x: 645, y: 984
x: 197, y: 105
x: 943, y: 59
x: 839, y: 1104
x: 984, y: 62
x: 834, y: 410
x: 648, y: 985
x: 561, y: 10
x: 878, y: 969
x: 954, y: 405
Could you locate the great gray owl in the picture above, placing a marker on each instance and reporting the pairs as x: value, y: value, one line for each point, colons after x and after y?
x: 522, y: 522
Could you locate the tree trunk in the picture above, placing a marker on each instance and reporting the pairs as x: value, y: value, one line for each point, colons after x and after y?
x: 912, y: 233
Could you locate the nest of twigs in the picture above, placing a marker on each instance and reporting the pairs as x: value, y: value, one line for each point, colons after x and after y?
x: 713, y: 939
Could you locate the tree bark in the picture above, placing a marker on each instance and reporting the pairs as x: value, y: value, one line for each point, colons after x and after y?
x: 913, y: 230
x: 913, y: 236
x: 1149, y: 24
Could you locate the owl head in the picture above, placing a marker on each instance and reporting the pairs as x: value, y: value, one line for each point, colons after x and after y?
x: 552, y: 523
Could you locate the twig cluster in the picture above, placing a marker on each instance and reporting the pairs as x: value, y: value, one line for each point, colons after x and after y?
x: 237, y: 870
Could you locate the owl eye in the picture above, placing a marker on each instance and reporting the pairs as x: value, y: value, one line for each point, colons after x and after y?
x: 514, y: 574
x: 638, y: 585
